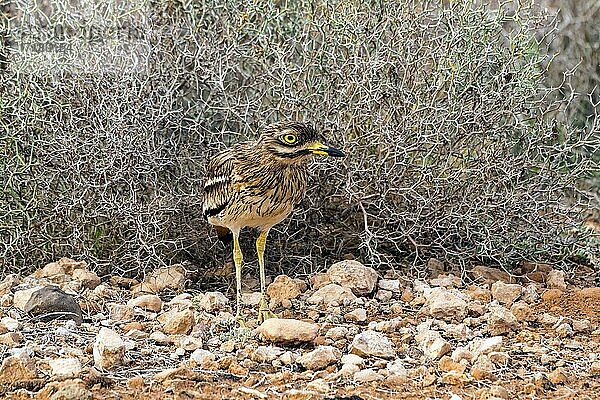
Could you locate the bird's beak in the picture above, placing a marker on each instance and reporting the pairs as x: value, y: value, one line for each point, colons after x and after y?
x: 320, y: 149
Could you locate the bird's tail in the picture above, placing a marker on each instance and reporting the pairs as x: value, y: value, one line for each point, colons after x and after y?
x: 224, y: 234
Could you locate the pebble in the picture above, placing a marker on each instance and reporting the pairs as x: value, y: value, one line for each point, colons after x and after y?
x: 172, y: 277
x: 486, y: 345
x: 147, y: 302
x: 282, y: 330
x: 564, y: 330
x: 320, y: 357
x: 337, y: 333
x: 64, y: 368
x: 88, y: 278
x: 506, y: 293
x: 556, y: 280
x: 332, y: 294
x: 109, y: 349
x: 358, y: 315
x: 202, y: 357
x: 353, y: 359
x: 284, y: 288
x: 392, y: 285
x: 445, y: 304
x: 177, y: 322
x: 372, y: 344
x: 432, y: 344
x: 501, y: 321
x: 384, y: 295
x: 522, y: 311
x: 51, y: 303
x: 17, y: 368
x: 10, y: 324
x: 367, y: 375
x: 353, y: 275
x: 483, y: 369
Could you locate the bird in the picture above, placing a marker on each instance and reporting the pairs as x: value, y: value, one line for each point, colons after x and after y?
x: 256, y: 184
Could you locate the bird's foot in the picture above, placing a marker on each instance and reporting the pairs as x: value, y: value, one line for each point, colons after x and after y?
x: 240, y: 320
x: 264, y: 315
x: 263, y: 311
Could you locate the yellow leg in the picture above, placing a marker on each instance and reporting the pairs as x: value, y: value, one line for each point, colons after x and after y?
x: 238, y: 260
x: 263, y: 311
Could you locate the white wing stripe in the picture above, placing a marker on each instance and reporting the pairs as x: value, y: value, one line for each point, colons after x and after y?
x: 215, y: 180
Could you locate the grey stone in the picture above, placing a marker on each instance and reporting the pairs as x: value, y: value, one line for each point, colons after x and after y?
x: 50, y: 303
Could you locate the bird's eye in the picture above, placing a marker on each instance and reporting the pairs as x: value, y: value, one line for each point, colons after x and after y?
x: 289, y: 138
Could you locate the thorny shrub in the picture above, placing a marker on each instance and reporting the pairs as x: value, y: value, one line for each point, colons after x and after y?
x: 111, y: 109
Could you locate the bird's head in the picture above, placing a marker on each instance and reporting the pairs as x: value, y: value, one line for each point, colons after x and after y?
x: 294, y: 141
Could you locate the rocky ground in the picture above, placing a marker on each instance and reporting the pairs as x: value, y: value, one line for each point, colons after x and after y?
x: 344, y: 334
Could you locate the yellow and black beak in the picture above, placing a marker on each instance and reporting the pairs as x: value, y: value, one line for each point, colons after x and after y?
x: 321, y: 149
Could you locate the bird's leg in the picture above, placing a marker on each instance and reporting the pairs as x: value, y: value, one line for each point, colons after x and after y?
x: 263, y: 311
x: 238, y: 259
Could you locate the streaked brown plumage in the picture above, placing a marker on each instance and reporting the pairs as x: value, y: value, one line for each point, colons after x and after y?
x: 256, y: 184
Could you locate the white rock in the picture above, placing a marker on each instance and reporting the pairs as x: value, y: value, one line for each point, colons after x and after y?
x: 319, y: 385
x: 485, y: 345
x: 147, y: 302
x: 349, y: 369
x: 367, y: 375
x: 183, y: 300
x: 109, y: 349
x: 21, y: 297
x: 372, y: 343
x: 501, y: 320
x: 432, y: 344
x: 160, y: 337
x: 445, y: 304
x: 564, y: 330
x: 282, y: 330
x: 188, y: 343
x: 506, y: 293
x: 179, y: 352
x: 556, y: 280
x: 337, y: 333
x: 582, y: 325
x: 396, y: 367
x: 332, y: 293
x: 458, y: 331
x: 212, y: 301
x: 64, y: 368
x: 353, y: 359
x: 287, y: 358
x: 320, y: 358
x: 446, y: 281
x: 357, y: 315
x: 10, y: 324
x: 384, y: 295
x: 266, y: 354
x: 393, y: 285
x: 202, y: 356
x: 251, y: 299
x: 353, y: 275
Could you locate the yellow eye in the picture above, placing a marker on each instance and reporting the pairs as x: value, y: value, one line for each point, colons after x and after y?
x: 289, y: 138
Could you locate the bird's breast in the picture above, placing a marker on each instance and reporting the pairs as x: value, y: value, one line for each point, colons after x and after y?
x: 264, y: 198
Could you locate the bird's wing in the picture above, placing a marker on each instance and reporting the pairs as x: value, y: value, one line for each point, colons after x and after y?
x: 218, y: 188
